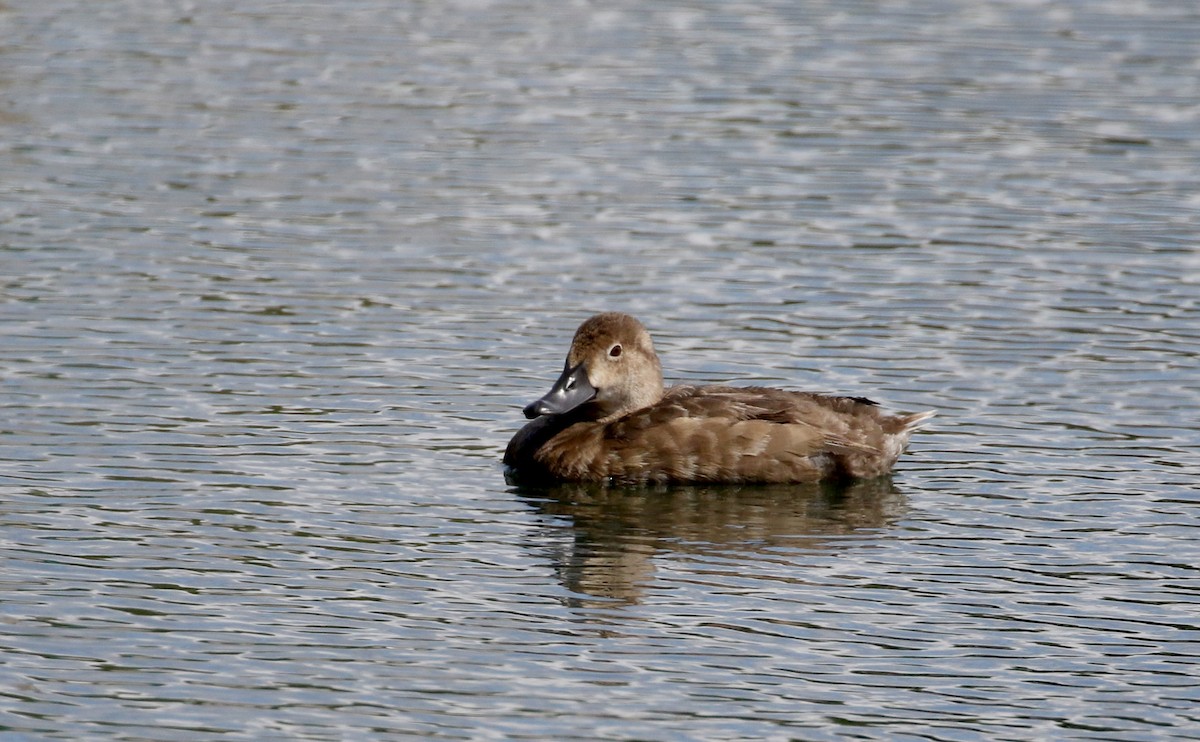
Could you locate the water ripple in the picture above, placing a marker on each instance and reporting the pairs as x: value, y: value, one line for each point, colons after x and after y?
x: 277, y: 283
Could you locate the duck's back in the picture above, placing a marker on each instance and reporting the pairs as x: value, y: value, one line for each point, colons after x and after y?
x: 722, y: 434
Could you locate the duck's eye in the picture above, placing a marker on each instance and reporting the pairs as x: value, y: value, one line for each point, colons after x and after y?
x: 615, y: 351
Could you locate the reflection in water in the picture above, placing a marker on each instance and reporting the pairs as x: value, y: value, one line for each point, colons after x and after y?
x: 618, y: 531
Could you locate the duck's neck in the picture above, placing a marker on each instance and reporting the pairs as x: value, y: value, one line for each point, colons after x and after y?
x: 639, y: 398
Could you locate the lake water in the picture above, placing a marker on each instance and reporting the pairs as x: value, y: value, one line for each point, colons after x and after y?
x: 277, y: 278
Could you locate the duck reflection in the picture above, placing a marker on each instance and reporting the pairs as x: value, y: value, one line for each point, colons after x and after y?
x: 617, y: 532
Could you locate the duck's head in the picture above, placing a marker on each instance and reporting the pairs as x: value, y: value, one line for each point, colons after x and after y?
x: 611, y: 367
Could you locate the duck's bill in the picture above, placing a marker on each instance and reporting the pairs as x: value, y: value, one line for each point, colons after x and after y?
x: 571, y: 390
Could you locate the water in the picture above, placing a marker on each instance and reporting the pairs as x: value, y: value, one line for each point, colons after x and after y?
x: 276, y: 280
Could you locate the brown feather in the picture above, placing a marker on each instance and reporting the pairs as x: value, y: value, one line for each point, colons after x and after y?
x: 700, y: 433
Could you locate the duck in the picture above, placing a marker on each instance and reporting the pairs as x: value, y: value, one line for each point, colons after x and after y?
x: 608, y: 418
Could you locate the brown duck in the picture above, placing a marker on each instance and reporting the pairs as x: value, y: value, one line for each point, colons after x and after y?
x: 607, y: 418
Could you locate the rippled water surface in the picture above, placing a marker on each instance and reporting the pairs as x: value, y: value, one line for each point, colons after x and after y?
x: 277, y: 278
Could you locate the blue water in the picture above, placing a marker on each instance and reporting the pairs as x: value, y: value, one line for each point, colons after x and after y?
x: 277, y: 279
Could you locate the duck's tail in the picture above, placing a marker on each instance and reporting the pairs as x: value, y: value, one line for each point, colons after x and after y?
x: 866, y: 461
x: 909, y: 423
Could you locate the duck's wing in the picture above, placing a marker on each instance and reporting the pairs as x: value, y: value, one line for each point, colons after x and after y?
x: 829, y: 417
x: 722, y: 434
